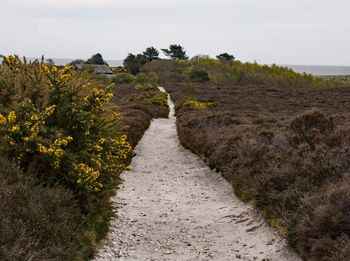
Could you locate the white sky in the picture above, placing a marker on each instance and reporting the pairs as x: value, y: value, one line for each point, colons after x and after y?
x: 268, y: 31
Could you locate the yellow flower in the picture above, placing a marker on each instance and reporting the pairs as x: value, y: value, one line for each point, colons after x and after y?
x: 50, y: 110
x: 15, y: 128
x: 42, y: 149
x: 45, y: 69
x: 3, y: 119
x: 34, y: 117
x: 11, y: 117
x: 11, y: 59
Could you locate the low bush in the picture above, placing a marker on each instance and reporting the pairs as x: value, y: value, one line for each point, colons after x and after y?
x: 143, y: 86
x: 198, y: 76
x: 123, y: 77
x: 37, y: 223
x: 152, y: 97
x: 197, y: 104
x: 323, y: 229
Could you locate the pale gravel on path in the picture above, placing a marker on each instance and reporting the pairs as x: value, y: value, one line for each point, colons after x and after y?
x: 171, y: 206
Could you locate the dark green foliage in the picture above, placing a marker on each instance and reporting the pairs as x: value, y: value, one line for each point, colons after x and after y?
x: 197, y: 75
x: 151, y: 54
x: 96, y: 59
x: 76, y: 62
x: 123, y: 78
x: 175, y: 52
x: 133, y: 63
x: 225, y: 57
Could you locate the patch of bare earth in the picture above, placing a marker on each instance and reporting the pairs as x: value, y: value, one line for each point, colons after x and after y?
x: 171, y: 206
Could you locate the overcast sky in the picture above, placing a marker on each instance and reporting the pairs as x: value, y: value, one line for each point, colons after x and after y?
x: 266, y: 31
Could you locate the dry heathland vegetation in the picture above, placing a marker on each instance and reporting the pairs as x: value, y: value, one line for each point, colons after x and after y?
x: 281, y: 138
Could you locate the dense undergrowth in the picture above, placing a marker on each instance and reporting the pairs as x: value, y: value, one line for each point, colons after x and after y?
x: 286, y: 150
x: 63, y: 144
x: 221, y: 72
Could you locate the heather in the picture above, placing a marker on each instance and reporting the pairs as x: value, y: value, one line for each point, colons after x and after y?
x: 284, y: 150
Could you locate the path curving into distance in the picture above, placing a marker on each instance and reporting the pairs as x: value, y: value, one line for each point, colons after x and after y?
x: 171, y: 206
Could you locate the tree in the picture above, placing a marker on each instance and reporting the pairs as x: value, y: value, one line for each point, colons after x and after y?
x: 133, y: 63
x: 75, y: 62
x: 175, y: 52
x: 151, y: 54
x: 50, y: 62
x: 200, y: 57
x: 96, y: 59
x: 225, y: 57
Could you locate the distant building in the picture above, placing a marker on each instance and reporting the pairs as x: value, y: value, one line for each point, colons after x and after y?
x: 1, y: 58
x: 98, y: 68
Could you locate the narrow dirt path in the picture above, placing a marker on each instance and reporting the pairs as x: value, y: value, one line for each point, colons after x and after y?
x: 173, y: 207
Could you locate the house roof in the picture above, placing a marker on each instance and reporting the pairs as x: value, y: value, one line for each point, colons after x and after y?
x: 99, y: 68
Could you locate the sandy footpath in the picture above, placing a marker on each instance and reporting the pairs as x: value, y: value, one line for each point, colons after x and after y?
x: 173, y: 207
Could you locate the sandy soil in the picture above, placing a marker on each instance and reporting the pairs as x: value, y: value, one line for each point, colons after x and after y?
x: 173, y: 207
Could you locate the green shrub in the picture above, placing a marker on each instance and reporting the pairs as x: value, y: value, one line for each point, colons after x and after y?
x: 198, y: 76
x: 151, y: 97
x: 123, y: 77
x: 149, y: 78
x: 143, y: 86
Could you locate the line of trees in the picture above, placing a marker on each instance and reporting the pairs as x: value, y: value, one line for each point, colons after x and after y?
x: 94, y: 59
x: 133, y: 62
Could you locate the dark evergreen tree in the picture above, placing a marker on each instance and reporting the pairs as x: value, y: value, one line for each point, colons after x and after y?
x: 225, y: 57
x: 96, y: 59
x: 176, y: 52
x: 75, y: 62
x: 133, y: 63
x: 151, y: 54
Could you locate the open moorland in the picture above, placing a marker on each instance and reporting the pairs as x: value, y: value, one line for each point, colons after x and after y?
x: 286, y: 150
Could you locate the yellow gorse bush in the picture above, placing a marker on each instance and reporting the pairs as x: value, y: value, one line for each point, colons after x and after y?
x: 61, y: 124
x: 197, y: 104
